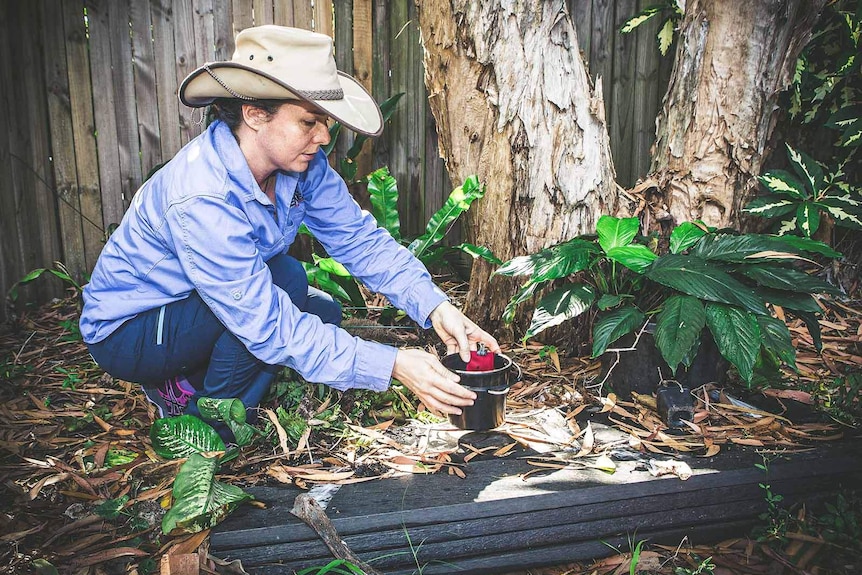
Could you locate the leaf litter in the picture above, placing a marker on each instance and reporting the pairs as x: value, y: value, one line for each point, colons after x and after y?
x: 72, y: 438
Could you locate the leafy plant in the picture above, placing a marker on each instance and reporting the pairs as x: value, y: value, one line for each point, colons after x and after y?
x: 800, y: 200
x: 709, y: 279
x: 59, y: 270
x: 673, y: 9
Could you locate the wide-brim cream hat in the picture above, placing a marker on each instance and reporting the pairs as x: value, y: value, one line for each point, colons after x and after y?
x: 277, y: 62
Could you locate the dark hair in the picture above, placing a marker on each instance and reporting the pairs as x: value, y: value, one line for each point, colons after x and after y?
x: 229, y: 110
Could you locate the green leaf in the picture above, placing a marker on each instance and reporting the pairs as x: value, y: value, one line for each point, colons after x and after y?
x: 200, y: 502
x: 111, y: 508
x: 330, y: 266
x: 789, y: 300
x: 560, y: 305
x: 616, y: 232
x: 737, y: 336
x: 527, y: 291
x: 176, y: 437
x: 678, y: 328
x: 458, y: 202
x: 230, y: 412
x: 806, y: 168
x: 611, y: 326
x: 776, y: 338
x: 635, y: 257
x: 845, y: 209
x: 699, y: 278
x: 770, y: 206
x: 639, y: 18
x: 322, y: 280
x: 742, y: 248
x: 800, y: 244
x: 665, y: 36
x: 43, y: 567
x: 383, y: 193
x: 684, y: 236
x: 607, y: 301
x: 479, y: 252
x: 813, y: 326
x: 783, y: 183
x: 787, y: 279
x: 552, y: 263
x: 808, y: 218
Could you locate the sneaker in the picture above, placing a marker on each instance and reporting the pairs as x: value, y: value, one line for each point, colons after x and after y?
x: 171, y: 397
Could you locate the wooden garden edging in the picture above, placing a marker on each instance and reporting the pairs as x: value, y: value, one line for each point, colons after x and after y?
x: 493, y: 521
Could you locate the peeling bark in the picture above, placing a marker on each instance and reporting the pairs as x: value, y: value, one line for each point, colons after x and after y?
x: 514, y: 105
x: 732, y: 61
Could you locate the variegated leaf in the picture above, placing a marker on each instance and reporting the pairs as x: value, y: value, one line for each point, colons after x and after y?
x: 783, y: 183
x: 640, y: 18
x: 846, y: 210
x: 808, y: 218
x: 665, y: 36
x: 769, y: 206
x: 807, y: 168
x: 787, y: 226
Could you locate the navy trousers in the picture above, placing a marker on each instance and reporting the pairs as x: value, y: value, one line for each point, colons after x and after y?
x: 186, y: 338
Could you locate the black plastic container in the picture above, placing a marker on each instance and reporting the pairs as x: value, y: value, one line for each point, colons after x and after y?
x: 490, y: 387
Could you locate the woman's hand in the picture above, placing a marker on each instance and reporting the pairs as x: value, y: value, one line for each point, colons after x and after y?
x: 436, y: 386
x: 458, y: 332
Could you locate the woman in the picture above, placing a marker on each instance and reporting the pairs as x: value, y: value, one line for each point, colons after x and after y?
x: 194, y: 294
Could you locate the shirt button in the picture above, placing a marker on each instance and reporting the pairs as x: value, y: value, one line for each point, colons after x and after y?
x: 290, y: 223
x: 237, y: 295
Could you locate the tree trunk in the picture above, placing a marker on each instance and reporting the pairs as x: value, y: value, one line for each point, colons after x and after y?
x: 732, y: 61
x: 514, y: 105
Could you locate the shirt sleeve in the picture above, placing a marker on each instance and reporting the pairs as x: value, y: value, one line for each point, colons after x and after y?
x: 215, y: 244
x: 352, y: 237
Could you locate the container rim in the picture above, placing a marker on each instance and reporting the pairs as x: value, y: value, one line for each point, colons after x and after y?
x: 509, y: 364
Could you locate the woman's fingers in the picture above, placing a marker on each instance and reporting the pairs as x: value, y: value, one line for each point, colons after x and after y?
x: 436, y: 387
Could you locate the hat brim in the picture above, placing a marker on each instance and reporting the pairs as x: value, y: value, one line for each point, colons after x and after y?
x: 357, y: 110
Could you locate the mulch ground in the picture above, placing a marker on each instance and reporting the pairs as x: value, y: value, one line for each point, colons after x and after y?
x: 72, y: 438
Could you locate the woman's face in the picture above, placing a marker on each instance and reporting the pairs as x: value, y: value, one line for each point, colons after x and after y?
x: 292, y: 136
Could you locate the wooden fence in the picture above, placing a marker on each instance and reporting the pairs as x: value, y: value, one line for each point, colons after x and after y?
x: 88, y: 105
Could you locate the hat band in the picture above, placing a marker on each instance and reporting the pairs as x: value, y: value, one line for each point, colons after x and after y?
x: 332, y: 94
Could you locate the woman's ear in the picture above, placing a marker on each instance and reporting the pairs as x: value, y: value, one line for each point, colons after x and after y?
x: 254, y: 117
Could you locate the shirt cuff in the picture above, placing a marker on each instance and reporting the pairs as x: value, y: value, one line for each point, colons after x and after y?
x: 426, y: 297
x: 374, y: 363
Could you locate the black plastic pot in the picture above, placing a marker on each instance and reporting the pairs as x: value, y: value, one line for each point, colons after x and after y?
x: 490, y: 387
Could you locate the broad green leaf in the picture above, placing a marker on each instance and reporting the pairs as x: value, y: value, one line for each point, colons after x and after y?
x: 478, y: 252
x: 790, y: 300
x: 641, y: 17
x: 801, y: 244
x: 230, y: 412
x: 322, y: 280
x: 847, y: 117
x: 737, y: 336
x: 678, y: 328
x: 118, y: 457
x: 611, y: 326
x: 560, y: 305
x: 770, y: 206
x: 383, y: 193
x: 554, y: 262
x: 176, y: 437
x: 200, y: 502
x: 787, y: 279
x: 527, y: 291
x: 813, y: 326
x: 742, y: 248
x: 665, y: 36
x: 776, y: 338
x: 607, y: 301
x: 808, y: 218
x: 111, y: 508
x: 616, y: 232
x: 806, y: 168
x: 699, y: 278
x: 348, y: 170
x: 330, y: 266
x: 684, y: 236
x: 845, y: 209
x: 784, y: 184
x: 458, y: 202
x: 635, y: 257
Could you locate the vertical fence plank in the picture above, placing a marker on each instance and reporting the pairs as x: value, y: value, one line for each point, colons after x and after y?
x: 62, y: 141
x: 83, y: 128
x: 146, y: 97
x: 323, y: 17
x: 103, y: 110
x: 263, y: 12
x: 344, y: 60
x: 162, y: 15
x: 303, y: 14
x: 184, y: 59
x: 381, y: 82
x: 282, y: 12
x: 621, y: 118
x: 242, y: 16
x: 363, y: 51
x: 223, y: 30
x: 124, y: 99
x: 11, y: 250
x: 582, y: 16
x: 29, y: 144
x: 647, y: 95
x: 204, y: 42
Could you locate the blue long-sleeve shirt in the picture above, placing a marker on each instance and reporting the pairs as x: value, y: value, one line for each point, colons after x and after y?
x: 201, y: 223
